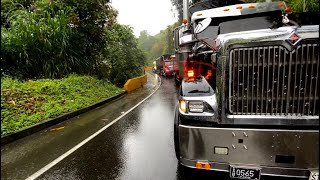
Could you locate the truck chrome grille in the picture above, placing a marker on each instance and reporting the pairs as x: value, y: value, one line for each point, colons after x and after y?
x: 271, y: 80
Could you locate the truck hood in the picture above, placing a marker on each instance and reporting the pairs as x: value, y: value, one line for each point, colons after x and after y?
x: 266, y: 35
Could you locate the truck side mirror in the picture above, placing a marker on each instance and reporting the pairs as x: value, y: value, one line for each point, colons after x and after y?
x: 202, y: 25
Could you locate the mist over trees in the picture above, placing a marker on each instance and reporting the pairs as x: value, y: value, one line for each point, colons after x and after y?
x: 155, y: 46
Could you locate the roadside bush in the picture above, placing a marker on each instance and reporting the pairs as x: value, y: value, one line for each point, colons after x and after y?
x: 25, y: 103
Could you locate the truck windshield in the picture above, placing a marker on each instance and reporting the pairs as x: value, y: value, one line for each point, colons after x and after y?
x: 230, y: 24
x: 199, y: 87
x: 247, y: 24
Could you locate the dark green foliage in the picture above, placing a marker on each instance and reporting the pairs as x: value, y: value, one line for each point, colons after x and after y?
x: 123, y: 58
x: 51, y: 39
x: 38, y: 45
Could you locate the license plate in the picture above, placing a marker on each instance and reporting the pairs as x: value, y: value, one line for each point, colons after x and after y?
x: 314, y: 175
x: 241, y: 172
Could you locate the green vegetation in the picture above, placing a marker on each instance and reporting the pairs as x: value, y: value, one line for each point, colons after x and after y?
x: 27, y: 103
x: 51, y: 39
x: 44, y: 42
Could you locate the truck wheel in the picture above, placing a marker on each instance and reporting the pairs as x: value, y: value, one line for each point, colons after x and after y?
x: 176, y: 134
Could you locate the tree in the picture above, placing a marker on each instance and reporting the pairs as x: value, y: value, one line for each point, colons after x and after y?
x: 123, y: 58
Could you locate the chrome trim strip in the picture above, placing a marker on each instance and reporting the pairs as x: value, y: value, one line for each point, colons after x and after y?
x: 246, y: 129
x: 271, y: 117
x: 316, y: 92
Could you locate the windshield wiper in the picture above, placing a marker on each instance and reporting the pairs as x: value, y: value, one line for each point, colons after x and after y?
x: 197, y: 91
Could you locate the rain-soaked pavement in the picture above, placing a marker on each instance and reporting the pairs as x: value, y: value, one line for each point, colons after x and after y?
x: 139, y: 146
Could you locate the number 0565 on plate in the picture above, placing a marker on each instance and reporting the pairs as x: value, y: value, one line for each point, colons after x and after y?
x: 243, y: 172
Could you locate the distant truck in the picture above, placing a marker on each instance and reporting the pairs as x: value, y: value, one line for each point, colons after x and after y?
x: 164, y: 65
x: 249, y: 96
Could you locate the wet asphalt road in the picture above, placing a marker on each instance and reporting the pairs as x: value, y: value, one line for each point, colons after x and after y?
x: 137, y: 147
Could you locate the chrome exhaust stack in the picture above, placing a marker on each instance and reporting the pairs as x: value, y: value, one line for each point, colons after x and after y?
x: 185, y: 9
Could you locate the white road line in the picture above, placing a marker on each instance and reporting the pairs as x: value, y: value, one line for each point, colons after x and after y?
x: 60, y: 158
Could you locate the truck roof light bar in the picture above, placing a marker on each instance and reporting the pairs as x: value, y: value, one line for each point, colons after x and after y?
x: 238, y: 9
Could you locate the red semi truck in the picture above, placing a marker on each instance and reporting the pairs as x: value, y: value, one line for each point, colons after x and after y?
x: 165, y: 65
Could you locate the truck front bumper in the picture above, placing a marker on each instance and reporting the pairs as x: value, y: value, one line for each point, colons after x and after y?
x: 290, y: 153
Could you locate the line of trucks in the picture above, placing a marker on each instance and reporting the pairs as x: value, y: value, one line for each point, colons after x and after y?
x: 248, y: 76
x: 165, y: 65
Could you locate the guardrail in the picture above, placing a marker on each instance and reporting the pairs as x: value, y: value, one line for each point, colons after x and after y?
x: 148, y: 68
x: 135, y: 83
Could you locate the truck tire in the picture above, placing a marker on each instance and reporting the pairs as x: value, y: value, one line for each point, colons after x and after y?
x: 176, y: 134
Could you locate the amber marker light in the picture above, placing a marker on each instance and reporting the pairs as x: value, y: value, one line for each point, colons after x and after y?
x: 281, y: 4
x: 199, y: 14
x: 207, y: 166
x: 239, y: 7
x: 198, y: 165
x: 226, y: 10
x: 184, y: 21
x: 252, y: 6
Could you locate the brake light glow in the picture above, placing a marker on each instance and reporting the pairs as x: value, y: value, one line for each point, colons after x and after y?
x: 190, y: 73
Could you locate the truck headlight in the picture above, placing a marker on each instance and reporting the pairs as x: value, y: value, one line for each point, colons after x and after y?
x: 196, y: 106
x: 183, y: 105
